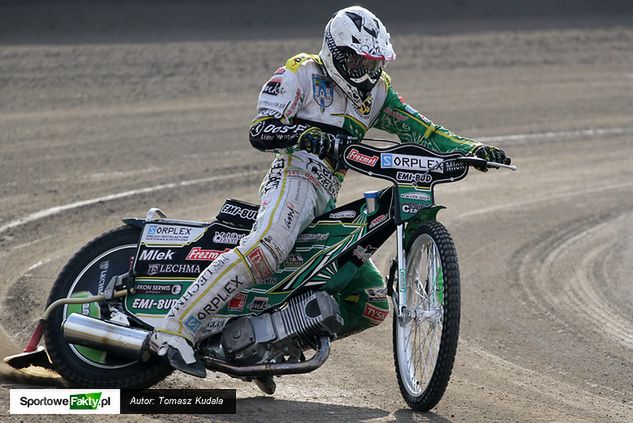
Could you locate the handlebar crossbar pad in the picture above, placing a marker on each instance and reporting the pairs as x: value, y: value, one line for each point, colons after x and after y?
x: 405, y: 164
x: 238, y: 213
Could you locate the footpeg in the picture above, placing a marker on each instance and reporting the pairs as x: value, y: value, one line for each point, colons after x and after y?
x: 177, y: 362
x: 266, y: 384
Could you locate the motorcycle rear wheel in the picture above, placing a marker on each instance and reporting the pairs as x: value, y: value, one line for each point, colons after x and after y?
x: 87, y: 272
x: 425, y: 341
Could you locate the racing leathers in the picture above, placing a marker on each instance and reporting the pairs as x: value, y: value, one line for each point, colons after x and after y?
x: 300, y: 186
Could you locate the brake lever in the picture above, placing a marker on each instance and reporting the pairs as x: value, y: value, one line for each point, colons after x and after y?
x: 501, y: 166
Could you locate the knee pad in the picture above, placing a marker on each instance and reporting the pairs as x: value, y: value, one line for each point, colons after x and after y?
x: 266, y: 254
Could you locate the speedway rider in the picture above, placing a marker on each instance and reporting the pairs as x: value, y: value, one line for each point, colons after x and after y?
x: 342, y: 91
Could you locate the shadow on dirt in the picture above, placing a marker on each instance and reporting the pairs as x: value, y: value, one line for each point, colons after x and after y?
x: 293, y: 411
x: 406, y: 416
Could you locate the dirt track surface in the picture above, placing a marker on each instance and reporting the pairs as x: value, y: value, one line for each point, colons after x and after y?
x: 545, y: 252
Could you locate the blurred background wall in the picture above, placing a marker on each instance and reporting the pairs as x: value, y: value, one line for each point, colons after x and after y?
x: 29, y: 21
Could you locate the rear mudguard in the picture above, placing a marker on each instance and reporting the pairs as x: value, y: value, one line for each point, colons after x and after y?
x: 137, y: 223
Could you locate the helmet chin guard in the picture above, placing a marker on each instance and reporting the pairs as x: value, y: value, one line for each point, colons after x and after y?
x: 356, y: 48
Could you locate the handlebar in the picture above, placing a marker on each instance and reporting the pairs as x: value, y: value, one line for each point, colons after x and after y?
x: 479, y: 162
x: 340, y: 143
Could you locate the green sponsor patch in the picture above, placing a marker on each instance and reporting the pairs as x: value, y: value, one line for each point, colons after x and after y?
x: 413, y: 200
x: 156, y: 297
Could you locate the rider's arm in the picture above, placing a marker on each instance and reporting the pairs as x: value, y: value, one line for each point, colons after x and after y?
x: 409, y: 125
x: 274, y: 127
x: 269, y: 133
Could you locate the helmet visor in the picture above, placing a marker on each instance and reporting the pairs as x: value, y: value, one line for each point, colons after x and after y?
x: 363, y: 65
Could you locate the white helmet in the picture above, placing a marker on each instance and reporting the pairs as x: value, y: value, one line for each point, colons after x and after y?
x: 355, y: 49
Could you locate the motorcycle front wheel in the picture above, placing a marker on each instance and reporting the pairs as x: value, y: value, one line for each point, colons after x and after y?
x: 87, y: 274
x: 425, y: 337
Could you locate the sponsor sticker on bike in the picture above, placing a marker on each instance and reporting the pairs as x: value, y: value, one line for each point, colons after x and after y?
x: 343, y: 214
x: 411, y: 208
x: 158, y: 268
x: 356, y: 156
x: 292, y: 262
x: 312, y: 237
x: 414, y: 178
x: 176, y: 235
x: 156, y: 255
x: 363, y: 253
x: 377, y: 221
x: 103, y: 275
x: 231, y: 238
x: 147, y: 288
x: 258, y: 304
x: 235, y: 210
x: 376, y: 295
x: 152, y: 305
x: 375, y: 314
x: 421, y: 196
x: 200, y: 254
x: 408, y: 162
x: 269, y: 281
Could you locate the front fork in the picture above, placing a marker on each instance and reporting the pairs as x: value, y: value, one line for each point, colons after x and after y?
x: 399, y: 296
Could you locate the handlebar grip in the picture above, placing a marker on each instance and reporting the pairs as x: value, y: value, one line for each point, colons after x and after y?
x: 340, y: 143
x: 473, y: 161
x: 479, y: 162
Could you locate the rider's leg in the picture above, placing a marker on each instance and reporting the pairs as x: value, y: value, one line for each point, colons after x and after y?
x: 363, y: 302
x: 287, y: 207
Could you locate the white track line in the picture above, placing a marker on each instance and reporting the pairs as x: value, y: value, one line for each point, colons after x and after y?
x: 522, y: 138
x: 536, y: 384
x: 59, y: 209
x: 512, y: 138
x: 174, y: 106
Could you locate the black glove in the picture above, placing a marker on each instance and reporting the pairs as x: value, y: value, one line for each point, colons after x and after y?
x: 316, y: 141
x: 490, y: 154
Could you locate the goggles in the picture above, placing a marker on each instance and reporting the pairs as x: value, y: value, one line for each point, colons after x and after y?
x: 355, y: 62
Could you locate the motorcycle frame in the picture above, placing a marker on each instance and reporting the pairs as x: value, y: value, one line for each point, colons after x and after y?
x: 402, y: 208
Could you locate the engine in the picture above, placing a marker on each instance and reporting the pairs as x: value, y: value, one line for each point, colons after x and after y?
x: 285, y: 332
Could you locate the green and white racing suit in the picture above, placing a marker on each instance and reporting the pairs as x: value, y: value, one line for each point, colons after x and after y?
x: 299, y: 186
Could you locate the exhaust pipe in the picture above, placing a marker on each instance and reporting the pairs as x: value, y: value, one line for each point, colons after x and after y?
x: 276, y: 369
x: 133, y: 343
x: 118, y: 340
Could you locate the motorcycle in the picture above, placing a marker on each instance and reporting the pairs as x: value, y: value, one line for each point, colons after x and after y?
x: 112, y: 292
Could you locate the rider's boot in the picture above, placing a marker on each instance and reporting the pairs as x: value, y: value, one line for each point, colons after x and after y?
x: 266, y: 384
x: 178, y: 351
x: 187, y: 321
